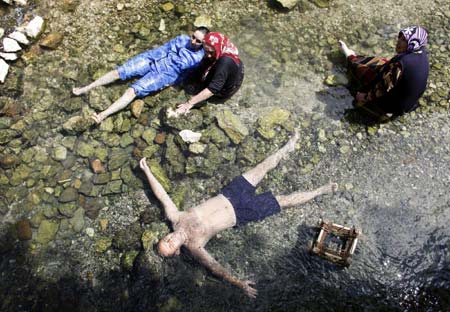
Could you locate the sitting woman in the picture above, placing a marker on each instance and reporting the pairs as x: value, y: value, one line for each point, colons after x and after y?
x: 391, y: 86
x: 222, y: 72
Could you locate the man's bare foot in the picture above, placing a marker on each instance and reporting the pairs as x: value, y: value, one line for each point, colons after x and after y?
x: 98, y: 117
x: 329, y: 188
x: 79, y: 91
x: 290, y: 145
x: 346, y: 49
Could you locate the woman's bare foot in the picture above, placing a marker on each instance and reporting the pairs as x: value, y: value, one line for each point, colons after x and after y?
x: 79, y: 91
x: 346, y: 49
x: 98, y: 117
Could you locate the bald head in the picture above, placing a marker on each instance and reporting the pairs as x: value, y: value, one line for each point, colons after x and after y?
x: 170, y: 245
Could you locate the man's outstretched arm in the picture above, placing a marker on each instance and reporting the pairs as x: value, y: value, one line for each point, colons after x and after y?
x: 209, y: 262
x: 170, y: 208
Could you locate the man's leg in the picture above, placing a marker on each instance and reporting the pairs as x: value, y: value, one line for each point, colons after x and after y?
x: 255, y: 175
x: 298, y: 198
x: 103, y: 80
x: 121, y: 103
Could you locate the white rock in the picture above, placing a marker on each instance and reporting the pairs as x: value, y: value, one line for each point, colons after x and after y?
x: 90, y: 232
x: 190, y: 136
x: 288, y: 4
x: 21, y: 2
x: 7, y: 1
x: 4, y: 67
x: 162, y: 25
x: 8, y: 56
x: 2, y: 32
x: 19, y: 37
x: 10, y: 45
x: 34, y: 27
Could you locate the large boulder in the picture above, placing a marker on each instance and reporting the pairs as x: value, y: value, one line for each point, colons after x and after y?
x: 269, y: 121
x: 232, y: 125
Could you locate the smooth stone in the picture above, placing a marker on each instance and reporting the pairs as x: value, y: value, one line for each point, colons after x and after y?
x: 168, y: 6
x: 68, y: 195
x: 4, y: 68
x: 52, y: 40
x: 197, y: 148
x: 97, y: 166
x: 160, y: 138
x: 203, y: 20
x: 24, y: 230
x: 232, y: 126
x: 19, y: 37
x: 10, y: 45
x: 103, y: 244
x: 67, y: 210
x: 8, y: 56
x: 288, y: 4
x: 90, y: 232
x: 149, y: 135
x: 77, y: 221
x: 9, y: 161
x: 136, y: 108
x: 59, y: 153
x: 190, y: 136
x: 162, y: 25
x: 47, y: 231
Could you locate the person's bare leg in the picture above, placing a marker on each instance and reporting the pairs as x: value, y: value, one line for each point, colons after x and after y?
x: 346, y: 50
x: 103, y: 80
x: 121, y: 103
x: 298, y: 198
x: 255, y: 175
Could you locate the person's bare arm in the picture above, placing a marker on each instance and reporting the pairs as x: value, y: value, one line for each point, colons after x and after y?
x: 200, y: 97
x: 170, y: 208
x: 209, y: 262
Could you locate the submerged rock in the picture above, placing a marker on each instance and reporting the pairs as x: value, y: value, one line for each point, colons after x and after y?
x: 268, y: 122
x: 24, y: 230
x: 190, y: 136
x: 232, y: 126
x: 103, y: 244
x: 52, y: 40
x: 47, y: 231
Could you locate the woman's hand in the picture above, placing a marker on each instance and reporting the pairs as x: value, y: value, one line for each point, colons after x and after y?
x: 144, y: 166
x: 184, y: 108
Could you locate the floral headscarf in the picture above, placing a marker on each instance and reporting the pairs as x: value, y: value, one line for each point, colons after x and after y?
x: 416, y: 37
x: 222, y: 45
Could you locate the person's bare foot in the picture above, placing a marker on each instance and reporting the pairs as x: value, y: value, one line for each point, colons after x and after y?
x: 79, y: 91
x: 329, y: 188
x: 98, y: 117
x: 290, y: 145
x: 345, y: 49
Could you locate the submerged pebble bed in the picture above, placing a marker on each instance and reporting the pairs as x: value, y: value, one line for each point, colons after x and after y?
x: 71, y: 237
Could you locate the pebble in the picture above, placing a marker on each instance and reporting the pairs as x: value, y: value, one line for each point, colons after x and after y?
x: 90, y: 232
x: 8, y: 56
x: 4, y: 68
x: 120, y: 6
x: 19, y: 37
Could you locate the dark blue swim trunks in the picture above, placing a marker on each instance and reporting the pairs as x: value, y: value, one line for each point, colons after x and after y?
x: 247, y: 205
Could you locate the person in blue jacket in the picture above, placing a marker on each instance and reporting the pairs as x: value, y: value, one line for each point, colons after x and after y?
x: 158, y: 68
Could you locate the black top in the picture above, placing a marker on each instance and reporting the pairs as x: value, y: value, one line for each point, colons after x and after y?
x: 404, y: 96
x: 225, y: 77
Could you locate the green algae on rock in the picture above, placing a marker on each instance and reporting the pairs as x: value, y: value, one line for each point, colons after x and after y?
x: 232, y: 126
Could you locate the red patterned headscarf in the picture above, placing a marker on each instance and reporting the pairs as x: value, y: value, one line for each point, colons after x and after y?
x: 222, y: 45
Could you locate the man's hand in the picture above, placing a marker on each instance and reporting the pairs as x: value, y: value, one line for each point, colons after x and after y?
x: 249, y: 290
x: 144, y: 166
x: 184, y: 108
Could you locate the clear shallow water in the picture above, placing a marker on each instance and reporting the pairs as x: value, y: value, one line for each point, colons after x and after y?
x: 394, y: 186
